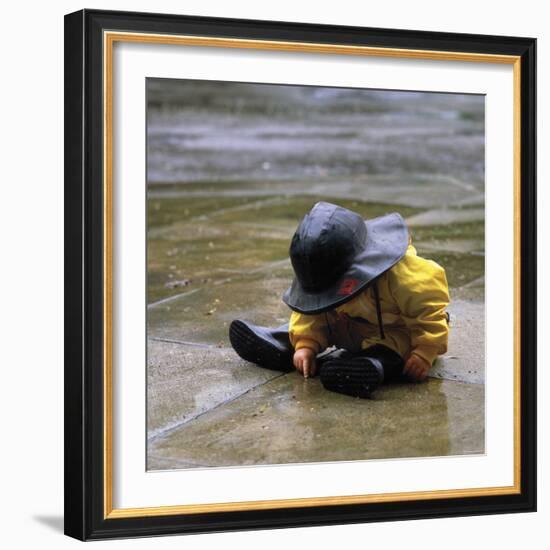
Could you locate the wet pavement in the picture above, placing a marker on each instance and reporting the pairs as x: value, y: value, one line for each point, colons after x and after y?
x: 218, y: 238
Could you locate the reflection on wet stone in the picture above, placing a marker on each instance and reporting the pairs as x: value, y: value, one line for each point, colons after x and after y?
x: 185, y: 381
x: 231, y: 172
x: 266, y: 425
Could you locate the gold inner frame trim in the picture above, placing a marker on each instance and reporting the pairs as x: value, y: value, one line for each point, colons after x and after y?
x: 109, y: 39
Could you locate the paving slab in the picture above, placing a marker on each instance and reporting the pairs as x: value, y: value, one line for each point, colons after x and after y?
x: 418, y: 190
x: 465, y: 360
x: 185, y: 381
x: 460, y: 268
x: 461, y: 246
x: 192, y: 254
x: 473, y: 291
x: 290, y: 420
x: 446, y: 216
x: 204, y: 316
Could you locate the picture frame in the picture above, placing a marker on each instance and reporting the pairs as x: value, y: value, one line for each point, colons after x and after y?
x: 90, y: 162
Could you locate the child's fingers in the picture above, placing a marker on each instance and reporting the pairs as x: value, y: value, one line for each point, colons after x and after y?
x: 418, y: 370
x: 408, y: 365
x: 422, y: 368
x: 307, y: 362
x: 412, y: 368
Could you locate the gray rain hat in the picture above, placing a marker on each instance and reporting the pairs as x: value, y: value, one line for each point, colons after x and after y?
x: 335, y: 254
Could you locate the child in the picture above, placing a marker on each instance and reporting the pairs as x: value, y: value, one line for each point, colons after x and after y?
x: 359, y: 286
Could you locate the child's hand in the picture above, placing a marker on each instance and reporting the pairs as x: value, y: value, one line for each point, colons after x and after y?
x: 416, y: 367
x: 304, y: 361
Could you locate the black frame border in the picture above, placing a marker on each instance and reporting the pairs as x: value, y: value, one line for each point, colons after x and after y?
x: 83, y: 390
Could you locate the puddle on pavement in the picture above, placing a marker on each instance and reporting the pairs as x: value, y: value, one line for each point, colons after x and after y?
x: 436, y: 418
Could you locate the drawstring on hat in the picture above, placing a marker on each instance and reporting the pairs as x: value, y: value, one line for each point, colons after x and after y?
x: 328, y: 324
x: 359, y: 319
x: 378, y: 310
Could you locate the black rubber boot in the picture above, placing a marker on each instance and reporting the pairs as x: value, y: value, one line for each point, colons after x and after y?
x: 266, y: 347
x: 356, y: 376
x: 359, y: 374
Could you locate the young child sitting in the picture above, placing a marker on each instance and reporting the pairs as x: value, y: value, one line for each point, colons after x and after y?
x: 359, y: 286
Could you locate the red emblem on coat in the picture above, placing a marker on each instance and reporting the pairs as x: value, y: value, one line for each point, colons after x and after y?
x: 347, y: 287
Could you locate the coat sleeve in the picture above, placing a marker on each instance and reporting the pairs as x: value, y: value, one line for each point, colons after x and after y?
x: 420, y: 289
x: 308, y: 331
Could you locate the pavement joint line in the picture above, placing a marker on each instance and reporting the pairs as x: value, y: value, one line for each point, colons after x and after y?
x: 268, y: 226
x: 471, y: 200
x: 264, y: 267
x: 229, y: 279
x: 450, y: 379
x: 269, y: 265
x: 185, y: 343
x: 160, y: 231
x: 248, y: 206
x: 461, y: 184
x: 418, y: 219
x: 162, y: 433
x: 189, y: 292
x: 222, y: 281
x: 473, y: 282
x: 443, y: 246
x: 171, y: 298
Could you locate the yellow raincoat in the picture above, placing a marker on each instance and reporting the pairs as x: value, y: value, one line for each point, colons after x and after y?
x: 413, y: 297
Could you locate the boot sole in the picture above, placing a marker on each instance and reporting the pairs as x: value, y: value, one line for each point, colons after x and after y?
x: 251, y: 347
x: 356, y: 377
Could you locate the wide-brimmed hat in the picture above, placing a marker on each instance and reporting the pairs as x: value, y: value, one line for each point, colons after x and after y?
x: 336, y: 254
